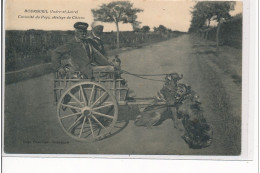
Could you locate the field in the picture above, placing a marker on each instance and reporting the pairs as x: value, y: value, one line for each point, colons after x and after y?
x: 31, y: 47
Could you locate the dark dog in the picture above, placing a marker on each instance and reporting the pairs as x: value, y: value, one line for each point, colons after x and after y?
x: 198, y: 133
x: 181, y: 105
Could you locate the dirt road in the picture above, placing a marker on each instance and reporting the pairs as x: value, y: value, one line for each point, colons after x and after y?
x: 31, y: 124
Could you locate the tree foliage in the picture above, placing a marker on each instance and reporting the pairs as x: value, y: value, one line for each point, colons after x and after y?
x: 160, y: 29
x: 145, y: 29
x: 204, y: 12
x: 116, y: 12
x: 136, y: 25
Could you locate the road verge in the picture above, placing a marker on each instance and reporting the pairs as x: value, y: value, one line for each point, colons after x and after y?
x: 27, y: 73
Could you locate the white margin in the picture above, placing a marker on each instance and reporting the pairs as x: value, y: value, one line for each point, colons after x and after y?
x: 95, y: 163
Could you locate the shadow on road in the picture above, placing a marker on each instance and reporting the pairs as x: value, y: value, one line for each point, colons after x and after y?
x: 125, y: 114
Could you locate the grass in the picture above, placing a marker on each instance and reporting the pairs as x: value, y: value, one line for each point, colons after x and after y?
x: 226, y: 122
x: 228, y: 59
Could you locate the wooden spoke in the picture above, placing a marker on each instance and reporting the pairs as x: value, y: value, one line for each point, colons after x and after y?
x: 75, y: 98
x: 90, y: 116
x: 73, y: 124
x: 99, y: 130
x: 99, y: 122
x: 82, y: 126
x: 91, y: 127
x: 70, y: 106
x: 104, y: 106
x: 99, y: 99
x: 91, y: 95
x: 103, y: 115
x: 83, y: 95
x: 66, y: 116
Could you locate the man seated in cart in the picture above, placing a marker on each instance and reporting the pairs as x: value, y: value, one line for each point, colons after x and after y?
x: 98, y: 53
x: 97, y: 47
x: 97, y: 50
x: 81, y: 53
x: 94, y: 37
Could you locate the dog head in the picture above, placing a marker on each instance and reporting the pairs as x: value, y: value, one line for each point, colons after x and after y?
x: 171, y: 81
x: 173, y: 77
x: 116, y: 61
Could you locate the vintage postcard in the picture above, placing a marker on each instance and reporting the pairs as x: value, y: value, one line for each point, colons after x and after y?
x: 124, y: 77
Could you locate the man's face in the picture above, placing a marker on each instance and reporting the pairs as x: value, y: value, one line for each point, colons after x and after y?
x: 81, y: 34
x: 98, y: 30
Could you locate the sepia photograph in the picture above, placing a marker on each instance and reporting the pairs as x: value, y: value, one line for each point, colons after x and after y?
x: 123, y: 77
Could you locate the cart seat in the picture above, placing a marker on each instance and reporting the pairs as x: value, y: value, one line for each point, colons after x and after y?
x: 102, y: 69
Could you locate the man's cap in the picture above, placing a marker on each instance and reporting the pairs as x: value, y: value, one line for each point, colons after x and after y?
x: 81, y: 25
x: 97, y: 24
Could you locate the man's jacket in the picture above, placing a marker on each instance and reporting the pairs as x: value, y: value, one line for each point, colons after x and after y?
x: 76, y: 52
x: 80, y: 54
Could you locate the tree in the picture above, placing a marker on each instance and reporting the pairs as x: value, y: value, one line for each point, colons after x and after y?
x: 204, y: 12
x: 221, y: 14
x: 155, y: 29
x: 162, y: 29
x: 145, y: 29
x: 169, y: 30
x: 136, y: 25
x: 116, y: 12
x: 203, y: 15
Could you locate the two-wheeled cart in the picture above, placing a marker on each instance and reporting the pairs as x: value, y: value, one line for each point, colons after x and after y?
x: 88, y: 109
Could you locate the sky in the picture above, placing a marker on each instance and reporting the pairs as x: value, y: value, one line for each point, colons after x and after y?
x: 172, y: 14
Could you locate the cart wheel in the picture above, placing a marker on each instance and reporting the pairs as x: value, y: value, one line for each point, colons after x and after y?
x: 87, y: 111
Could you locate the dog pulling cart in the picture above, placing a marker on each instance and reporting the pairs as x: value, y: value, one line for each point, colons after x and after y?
x: 88, y: 109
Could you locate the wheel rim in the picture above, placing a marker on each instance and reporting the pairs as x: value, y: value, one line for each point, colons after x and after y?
x: 87, y: 111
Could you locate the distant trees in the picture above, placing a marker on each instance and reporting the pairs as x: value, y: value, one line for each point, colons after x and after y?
x: 161, y: 29
x: 145, y: 29
x: 116, y: 12
x: 204, y: 12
